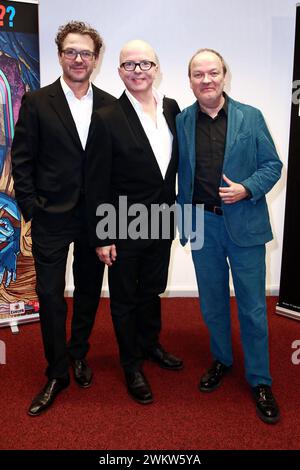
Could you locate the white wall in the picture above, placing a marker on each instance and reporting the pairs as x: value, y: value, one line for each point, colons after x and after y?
x: 257, y: 41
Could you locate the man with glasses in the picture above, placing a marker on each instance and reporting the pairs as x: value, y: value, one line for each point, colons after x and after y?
x: 49, y: 165
x: 134, y: 140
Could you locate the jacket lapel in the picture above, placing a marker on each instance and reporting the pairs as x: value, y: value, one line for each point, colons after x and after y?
x: 170, y: 118
x: 61, y: 107
x: 137, y: 129
x: 235, y: 119
x: 190, y: 132
x: 97, y: 98
x: 134, y: 121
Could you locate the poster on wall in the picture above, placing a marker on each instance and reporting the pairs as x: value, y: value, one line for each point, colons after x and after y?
x: 19, y: 72
x: 289, y: 292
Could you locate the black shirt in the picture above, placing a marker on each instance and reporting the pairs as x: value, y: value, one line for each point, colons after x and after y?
x: 210, y: 149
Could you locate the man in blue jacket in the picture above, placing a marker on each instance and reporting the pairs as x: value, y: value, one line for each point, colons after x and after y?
x: 227, y: 163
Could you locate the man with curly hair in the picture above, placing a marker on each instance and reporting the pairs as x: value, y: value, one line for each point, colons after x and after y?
x: 49, y: 164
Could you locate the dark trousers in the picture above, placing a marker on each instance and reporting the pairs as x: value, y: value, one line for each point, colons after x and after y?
x: 136, y: 279
x: 50, y: 246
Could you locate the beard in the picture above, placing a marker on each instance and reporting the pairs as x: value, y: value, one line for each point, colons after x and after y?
x: 78, y: 78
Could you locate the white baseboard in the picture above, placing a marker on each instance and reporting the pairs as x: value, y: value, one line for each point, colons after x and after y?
x: 179, y: 292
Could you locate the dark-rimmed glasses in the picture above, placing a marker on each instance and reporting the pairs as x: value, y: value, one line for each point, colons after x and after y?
x: 72, y: 54
x: 144, y: 65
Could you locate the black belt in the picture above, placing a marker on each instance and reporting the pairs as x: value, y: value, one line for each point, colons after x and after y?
x: 215, y: 209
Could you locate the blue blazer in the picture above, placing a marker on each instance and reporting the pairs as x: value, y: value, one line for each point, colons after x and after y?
x: 250, y: 158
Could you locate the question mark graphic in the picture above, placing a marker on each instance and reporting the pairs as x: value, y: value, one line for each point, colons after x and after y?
x: 2, y: 13
x: 12, y: 11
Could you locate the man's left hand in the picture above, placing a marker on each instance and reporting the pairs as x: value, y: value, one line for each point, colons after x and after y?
x: 232, y: 193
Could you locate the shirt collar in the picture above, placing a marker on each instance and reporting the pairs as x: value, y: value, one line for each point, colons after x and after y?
x: 68, y: 92
x: 223, y: 109
x: 158, y: 96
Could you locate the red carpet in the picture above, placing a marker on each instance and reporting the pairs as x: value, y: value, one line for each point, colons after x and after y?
x: 104, y: 417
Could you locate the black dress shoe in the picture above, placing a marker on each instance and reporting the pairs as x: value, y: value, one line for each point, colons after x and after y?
x: 266, y: 406
x: 46, y: 397
x: 83, y: 374
x: 213, y: 377
x: 138, y: 387
x: 164, y: 359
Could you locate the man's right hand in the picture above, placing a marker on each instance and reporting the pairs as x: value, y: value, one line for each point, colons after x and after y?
x: 107, y: 254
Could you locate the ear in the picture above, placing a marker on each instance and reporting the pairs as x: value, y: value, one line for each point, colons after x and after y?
x: 96, y: 61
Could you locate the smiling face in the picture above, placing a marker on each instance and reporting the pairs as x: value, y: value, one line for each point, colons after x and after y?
x: 138, y: 81
x: 207, y: 79
x: 77, y: 70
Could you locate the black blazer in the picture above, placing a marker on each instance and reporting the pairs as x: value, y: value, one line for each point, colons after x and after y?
x: 48, y: 161
x: 121, y: 162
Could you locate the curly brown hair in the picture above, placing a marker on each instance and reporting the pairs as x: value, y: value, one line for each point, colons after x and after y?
x: 78, y: 27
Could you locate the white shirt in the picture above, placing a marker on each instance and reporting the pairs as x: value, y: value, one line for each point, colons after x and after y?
x: 159, y: 135
x: 81, y: 110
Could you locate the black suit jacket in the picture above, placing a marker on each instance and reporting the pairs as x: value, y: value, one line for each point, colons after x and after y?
x: 121, y: 162
x: 48, y: 161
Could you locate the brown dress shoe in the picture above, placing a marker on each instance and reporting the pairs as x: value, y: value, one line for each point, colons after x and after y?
x: 47, y: 396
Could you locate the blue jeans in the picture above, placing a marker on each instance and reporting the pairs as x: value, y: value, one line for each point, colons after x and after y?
x: 247, y: 264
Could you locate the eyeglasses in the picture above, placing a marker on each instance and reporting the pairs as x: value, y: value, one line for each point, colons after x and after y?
x: 144, y: 65
x: 72, y: 54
